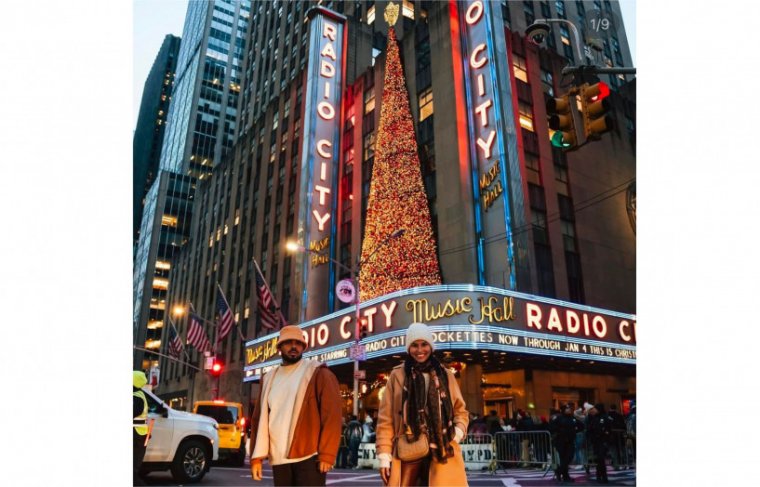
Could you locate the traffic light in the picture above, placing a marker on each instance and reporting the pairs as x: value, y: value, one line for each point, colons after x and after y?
x: 594, y: 106
x: 217, y: 367
x: 560, y: 116
x: 363, y: 328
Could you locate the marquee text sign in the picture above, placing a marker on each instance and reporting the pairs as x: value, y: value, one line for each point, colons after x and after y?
x: 464, y: 317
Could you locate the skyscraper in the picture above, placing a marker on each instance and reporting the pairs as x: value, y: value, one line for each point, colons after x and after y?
x: 151, y: 122
x: 525, y: 221
x: 200, y: 128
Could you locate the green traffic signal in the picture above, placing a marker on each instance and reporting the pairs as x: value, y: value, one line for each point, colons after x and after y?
x: 560, y: 117
x: 558, y: 140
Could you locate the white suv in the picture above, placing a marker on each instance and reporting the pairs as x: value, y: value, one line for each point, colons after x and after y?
x: 184, y: 442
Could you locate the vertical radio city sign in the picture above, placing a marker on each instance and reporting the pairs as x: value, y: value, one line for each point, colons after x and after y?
x: 320, y: 158
x: 493, y: 154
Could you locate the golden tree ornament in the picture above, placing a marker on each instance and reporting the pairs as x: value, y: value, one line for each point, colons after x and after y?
x: 397, y: 198
x: 391, y: 14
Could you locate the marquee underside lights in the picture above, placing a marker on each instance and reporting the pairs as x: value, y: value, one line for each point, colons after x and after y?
x: 464, y: 317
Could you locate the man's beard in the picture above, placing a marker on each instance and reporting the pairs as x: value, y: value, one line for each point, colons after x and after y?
x: 287, y: 360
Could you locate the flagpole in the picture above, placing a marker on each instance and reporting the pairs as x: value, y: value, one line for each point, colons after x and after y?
x: 279, y: 310
x: 184, y: 349
x: 165, y: 356
x: 240, y: 333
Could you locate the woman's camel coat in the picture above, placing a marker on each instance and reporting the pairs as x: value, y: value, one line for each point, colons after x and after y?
x: 389, y: 427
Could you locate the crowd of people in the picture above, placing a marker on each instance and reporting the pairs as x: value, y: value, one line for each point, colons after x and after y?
x: 585, y: 435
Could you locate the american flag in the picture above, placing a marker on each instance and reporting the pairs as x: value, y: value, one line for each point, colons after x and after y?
x: 196, y: 336
x: 270, y: 316
x: 175, y: 344
x: 226, y: 320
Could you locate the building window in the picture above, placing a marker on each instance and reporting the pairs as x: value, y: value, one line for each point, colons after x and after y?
x: 526, y: 116
x: 548, y: 82
x: 533, y: 168
x: 160, y: 283
x: 369, y: 100
x: 371, y: 15
x: 520, y: 67
x: 545, y: 11
x: 369, y: 145
x: 407, y: 9
x: 564, y: 34
x: 568, y: 235
x: 169, y: 221
x: 560, y: 4
x: 426, y: 103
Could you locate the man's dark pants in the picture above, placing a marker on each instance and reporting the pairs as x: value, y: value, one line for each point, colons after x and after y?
x: 138, y: 452
x: 566, y: 452
x: 353, y: 447
x: 305, y: 472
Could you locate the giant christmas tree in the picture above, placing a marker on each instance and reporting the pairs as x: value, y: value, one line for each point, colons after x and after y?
x: 396, y: 198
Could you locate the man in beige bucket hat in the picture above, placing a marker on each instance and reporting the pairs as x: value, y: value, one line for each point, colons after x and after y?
x: 296, y: 423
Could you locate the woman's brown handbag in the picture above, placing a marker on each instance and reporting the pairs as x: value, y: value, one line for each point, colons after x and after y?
x: 409, y: 451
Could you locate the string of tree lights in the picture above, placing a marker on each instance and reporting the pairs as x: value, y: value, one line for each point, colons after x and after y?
x: 397, y: 198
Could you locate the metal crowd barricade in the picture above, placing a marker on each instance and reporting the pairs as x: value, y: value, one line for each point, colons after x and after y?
x: 523, y: 449
x: 621, y: 452
x: 477, y: 451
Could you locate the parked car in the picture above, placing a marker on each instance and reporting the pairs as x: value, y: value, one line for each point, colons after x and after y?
x: 231, y: 421
x: 182, y: 442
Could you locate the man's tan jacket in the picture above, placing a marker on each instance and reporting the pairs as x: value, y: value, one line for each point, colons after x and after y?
x: 318, y: 408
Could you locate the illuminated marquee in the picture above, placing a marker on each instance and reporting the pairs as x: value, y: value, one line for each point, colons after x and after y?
x: 464, y: 317
x: 320, y: 158
x: 494, y: 164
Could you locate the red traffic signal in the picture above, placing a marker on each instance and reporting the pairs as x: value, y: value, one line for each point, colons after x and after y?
x: 594, y: 108
x: 216, y: 368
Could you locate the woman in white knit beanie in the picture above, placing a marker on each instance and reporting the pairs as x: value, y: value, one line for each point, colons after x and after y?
x: 422, y: 398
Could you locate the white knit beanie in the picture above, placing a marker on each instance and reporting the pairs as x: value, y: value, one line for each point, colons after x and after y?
x: 419, y: 331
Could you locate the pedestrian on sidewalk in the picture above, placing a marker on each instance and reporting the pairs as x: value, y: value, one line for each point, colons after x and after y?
x: 368, y: 430
x: 563, y: 428
x: 580, y: 437
x: 139, y: 424
x: 617, y: 439
x: 354, y: 433
x: 493, y: 422
x: 342, y: 461
x: 422, y: 398
x: 599, y: 431
x: 302, y: 392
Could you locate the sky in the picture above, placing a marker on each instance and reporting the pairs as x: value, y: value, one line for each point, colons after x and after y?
x: 154, y: 19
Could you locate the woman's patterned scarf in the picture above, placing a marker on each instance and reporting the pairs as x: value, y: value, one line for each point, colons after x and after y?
x: 429, y: 411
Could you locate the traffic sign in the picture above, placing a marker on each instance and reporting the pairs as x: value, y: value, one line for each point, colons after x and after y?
x: 357, y: 352
x: 360, y: 374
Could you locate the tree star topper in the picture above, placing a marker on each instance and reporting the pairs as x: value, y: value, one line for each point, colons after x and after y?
x: 391, y: 14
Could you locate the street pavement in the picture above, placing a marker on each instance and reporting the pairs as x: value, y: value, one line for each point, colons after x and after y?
x: 241, y: 476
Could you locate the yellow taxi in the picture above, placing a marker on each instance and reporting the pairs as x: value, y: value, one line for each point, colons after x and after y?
x: 231, y: 421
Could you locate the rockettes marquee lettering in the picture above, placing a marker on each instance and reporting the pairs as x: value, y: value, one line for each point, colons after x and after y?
x: 465, y: 317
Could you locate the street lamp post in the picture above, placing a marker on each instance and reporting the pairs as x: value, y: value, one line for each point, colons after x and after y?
x: 539, y: 29
x: 354, y: 276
